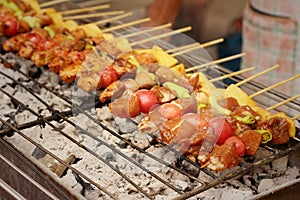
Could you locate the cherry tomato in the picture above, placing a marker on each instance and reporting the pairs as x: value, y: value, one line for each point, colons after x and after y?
x: 239, y: 144
x: 11, y: 26
x: 222, y: 129
x: 34, y: 38
x: 108, y: 76
x: 171, y: 110
x: 148, y: 99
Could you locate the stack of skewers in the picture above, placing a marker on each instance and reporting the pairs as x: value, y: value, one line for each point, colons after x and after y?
x: 212, y: 126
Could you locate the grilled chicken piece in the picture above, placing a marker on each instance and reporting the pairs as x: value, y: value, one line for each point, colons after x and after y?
x: 229, y: 103
x: 42, y: 58
x: 113, y: 91
x: 252, y: 140
x: 69, y: 72
x: 124, y: 68
x: 26, y: 49
x: 144, y: 80
x: 59, y: 59
x: 222, y: 157
x: 163, y: 94
x: 238, y: 127
x: 14, y: 43
x: 128, y: 105
x: 145, y: 58
x: 279, y: 128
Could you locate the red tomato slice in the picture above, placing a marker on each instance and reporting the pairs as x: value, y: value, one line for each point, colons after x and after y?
x: 222, y: 129
x: 108, y: 76
x: 239, y: 144
x: 171, y: 110
x: 148, y: 99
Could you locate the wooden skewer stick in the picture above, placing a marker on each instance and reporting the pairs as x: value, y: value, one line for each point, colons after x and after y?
x: 256, y: 75
x: 183, y: 47
x: 112, y: 18
x: 295, y: 138
x: 283, y: 102
x: 199, y: 46
x: 140, y: 21
x: 216, y: 62
x: 117, y: 12
x: 188, y: 28
x: 296, y: 117
x: 147, y: 30
x: 274, y: 86
x: 232, y: 74
x: 51, y: 3
x: 75, y: 11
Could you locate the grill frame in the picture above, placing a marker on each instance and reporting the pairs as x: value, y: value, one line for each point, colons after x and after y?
x: 58, y: 116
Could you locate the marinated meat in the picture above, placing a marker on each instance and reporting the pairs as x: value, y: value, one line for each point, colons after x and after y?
x: 113, y: 91
x: 127, y: 105
x: 187, y: 105
x: 237, y: 126
x: 223, y: 157
x: 147, y: 126
x: 144, y: 80
x: 163, y: 94
x: 69, y: 73
x: 124, y: 68
x: 229, y: 103
x: 245, y: 111
x: 26, y: 49
x: 14, y: 43
x: 145, y: 58
x: 252, y: 140
x: 279, y: 128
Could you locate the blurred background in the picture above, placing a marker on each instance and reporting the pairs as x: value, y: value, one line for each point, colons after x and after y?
x: 210, y: 19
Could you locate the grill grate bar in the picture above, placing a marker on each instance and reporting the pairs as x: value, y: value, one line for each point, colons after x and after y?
x: 56, y: 157
x: 77, y: 143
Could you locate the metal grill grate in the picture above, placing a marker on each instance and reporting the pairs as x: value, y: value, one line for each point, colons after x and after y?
x: 180, y: 166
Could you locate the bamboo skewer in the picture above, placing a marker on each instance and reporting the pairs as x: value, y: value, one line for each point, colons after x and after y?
x: 147, y: 30
x: 112, y: 18
x: 275, y: 85
x: 231, y: 74
x: 216, y: 62
x: 296, y: 117
x: 140, y: 21
x: 51, y: 3
x: 283, y: 102
x: 183, y: 47
x: 75, y: 11
x: 117, y: 12
x: 256, y: 75
x: 188, y: 28
x: 210, y: 43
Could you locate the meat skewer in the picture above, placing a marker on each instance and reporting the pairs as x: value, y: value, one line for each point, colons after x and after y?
x: 91, y: 8
x: 188, y: 28
x: 275, y: 85
x: 215, y: 62
x: 198, y: 46
x: 85, y: 16
x: 51, y: 3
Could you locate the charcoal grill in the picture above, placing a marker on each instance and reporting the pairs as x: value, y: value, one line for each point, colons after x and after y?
x: 29, y: 176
